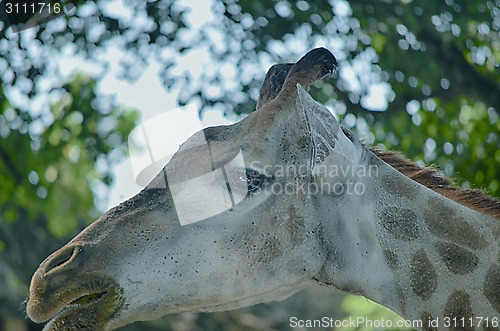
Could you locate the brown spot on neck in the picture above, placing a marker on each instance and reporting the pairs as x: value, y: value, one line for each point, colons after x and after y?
x: 459, y: 307
x: 401, y: 223
x: 423, y: 277
x: 457, y: 259
x: 492, y: 287
x: 443, y: 222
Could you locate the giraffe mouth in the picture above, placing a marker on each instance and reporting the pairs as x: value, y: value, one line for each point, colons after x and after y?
x: 87, y: 299
x: 89, y: 305
x: 69, y: 314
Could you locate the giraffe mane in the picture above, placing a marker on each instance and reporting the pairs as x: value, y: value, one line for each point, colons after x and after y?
x: 431, y: 178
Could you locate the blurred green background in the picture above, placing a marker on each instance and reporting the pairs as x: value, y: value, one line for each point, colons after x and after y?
x: 434, y: 65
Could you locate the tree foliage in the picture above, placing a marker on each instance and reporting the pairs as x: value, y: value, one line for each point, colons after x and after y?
x: 436, y: 60
x: 434, y: 64
x: 48, y: 166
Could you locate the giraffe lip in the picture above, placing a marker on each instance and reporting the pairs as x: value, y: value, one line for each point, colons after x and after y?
x: 81, y: 302
x: 87, y: 299
x: 66, y: 299
x: 68, y: 314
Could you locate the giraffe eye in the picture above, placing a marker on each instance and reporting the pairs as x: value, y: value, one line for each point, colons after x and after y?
x: 256, y: 181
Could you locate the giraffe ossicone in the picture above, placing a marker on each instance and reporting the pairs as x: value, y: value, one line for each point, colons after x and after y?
x: 279, y: 218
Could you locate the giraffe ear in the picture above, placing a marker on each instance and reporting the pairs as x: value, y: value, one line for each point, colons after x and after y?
x: 328, y: 138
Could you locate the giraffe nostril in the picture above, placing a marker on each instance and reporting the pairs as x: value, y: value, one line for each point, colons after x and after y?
x: 61, y: 258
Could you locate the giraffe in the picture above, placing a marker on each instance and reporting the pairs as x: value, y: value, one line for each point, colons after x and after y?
x: 310, y: 204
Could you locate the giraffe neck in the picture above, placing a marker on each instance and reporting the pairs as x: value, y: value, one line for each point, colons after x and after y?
x: 415, y: 251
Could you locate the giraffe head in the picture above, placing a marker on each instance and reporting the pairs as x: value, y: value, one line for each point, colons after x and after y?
x: 257, y: 210
x: 227, y: 223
